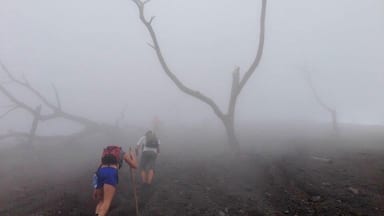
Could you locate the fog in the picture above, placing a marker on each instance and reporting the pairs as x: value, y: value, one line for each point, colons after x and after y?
x: 306, y: 136
x: 96, y: 54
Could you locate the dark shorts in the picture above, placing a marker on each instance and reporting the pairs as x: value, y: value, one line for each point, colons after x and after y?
x: 107, y: 175
x: 148, y: 159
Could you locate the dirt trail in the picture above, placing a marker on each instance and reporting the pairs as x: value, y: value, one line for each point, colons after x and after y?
x: 194, y: 183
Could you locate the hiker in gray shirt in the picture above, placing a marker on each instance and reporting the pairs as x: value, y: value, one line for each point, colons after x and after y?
x: 149, y: 145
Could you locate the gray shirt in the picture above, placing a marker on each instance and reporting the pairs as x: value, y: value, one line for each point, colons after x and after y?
x: 141, y: 143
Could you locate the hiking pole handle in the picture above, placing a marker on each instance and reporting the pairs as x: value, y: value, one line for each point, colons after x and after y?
x: 130, y: 153
x: 134, y: 191
x: 132, y: 172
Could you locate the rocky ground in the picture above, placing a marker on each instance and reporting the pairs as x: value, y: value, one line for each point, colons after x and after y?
x: 55, y: 179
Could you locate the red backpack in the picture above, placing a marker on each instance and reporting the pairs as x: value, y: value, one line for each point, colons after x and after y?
x: 111, y: 155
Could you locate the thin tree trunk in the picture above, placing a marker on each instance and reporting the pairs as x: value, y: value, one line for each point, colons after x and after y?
x: 335, y: 123
x: 35, y: 123
x: 332, y: 111
x: 233, y: 142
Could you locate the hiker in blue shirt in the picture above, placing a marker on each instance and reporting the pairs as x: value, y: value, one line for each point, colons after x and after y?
x: 106, y: 178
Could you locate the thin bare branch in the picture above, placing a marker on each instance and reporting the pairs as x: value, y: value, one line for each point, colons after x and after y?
x: 121, y: 117
x: 57, y: 111
x: 166, y: 68
x: 5, y: 69
x: 152, y: 46
x: 26, y: 82
x: 150, y: 21
x: 26, y: 85
x: 138, y: 3
x: 260, y: 50
x: 58, y: 101
x: 319, y: 100
x: 16, y: 101
x: 56, y: 114
x: 9, y: 111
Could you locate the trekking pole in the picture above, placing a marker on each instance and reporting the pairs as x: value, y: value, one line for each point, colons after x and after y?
x: 134, y: 187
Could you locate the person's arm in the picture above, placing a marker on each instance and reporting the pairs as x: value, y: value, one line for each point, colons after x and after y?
x: 130, y: 159
x: 158, y: 147
x: 139, y: 143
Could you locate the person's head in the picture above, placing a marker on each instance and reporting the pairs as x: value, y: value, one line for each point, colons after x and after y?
x: 150, y: 135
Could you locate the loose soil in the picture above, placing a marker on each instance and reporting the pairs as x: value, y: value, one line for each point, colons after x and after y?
x: 54, y: 178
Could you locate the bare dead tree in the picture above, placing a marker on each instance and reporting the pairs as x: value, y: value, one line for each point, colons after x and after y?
x: 56, y: 110
x: 326, y: 107
x: 35, y: 123
x: 238, y: 82
x: 120, y: 119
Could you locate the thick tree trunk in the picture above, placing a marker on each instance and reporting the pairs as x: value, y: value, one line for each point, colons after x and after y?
x: 231, y: 134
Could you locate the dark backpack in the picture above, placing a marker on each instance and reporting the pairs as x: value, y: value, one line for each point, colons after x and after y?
x: 111, y: 155
x: 152, y: 143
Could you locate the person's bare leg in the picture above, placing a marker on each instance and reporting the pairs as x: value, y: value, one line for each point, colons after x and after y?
x: 109, y: 192
x: 98, y: 207
x: 151, y: 173
x: 99, y: 198
x: 143, y: 176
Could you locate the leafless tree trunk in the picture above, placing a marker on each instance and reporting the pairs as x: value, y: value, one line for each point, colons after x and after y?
x: 330, y: 110
x: 238, y: 83
x: 35, y: 123
x: 335, y: 123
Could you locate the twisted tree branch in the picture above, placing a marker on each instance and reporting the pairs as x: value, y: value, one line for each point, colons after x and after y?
x: 9, y: 111
x: 260, y: 49
x: 166, y: 68
x: 58, y: 101
x: 57, y: 111
x: 26, y: 85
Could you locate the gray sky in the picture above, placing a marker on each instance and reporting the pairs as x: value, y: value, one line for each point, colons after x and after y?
x: 95, y: 52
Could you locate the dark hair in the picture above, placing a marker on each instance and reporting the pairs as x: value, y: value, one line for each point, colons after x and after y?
x: 150, y: 136
x: 109, y: 159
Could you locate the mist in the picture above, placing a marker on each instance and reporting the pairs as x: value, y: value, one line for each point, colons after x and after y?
x: 318, y: 84
x: 94, y: 49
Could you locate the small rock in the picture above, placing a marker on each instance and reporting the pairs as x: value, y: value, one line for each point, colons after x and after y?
x: 354, y: 190
x: 248, y: 189
x: 327, y: 184
x: 226, y: 210
x: 221, y: 213
x: 315, y: 198
x: 286, y: 211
